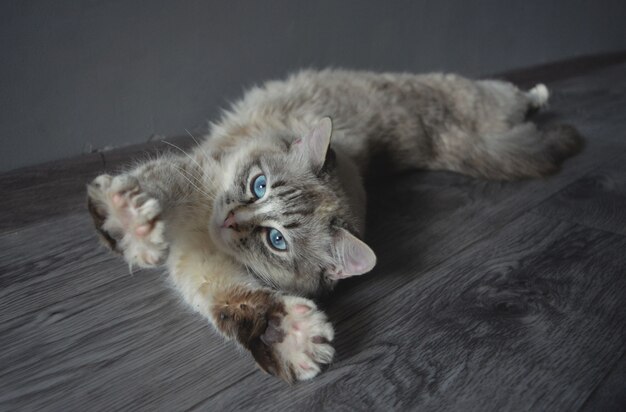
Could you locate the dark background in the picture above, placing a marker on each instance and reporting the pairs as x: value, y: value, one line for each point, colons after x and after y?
x: 79, y: 76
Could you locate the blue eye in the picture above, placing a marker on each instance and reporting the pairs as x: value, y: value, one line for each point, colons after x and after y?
x: 276, y: 239
x: 258, y: 186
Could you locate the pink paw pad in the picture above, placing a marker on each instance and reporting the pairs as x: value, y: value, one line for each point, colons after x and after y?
x: 302, y: 309
x: 305, y: 366
x: 143, y: 230
x: 118, y: 200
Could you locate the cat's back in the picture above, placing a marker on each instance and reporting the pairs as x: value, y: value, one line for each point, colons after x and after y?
x: 359, y: 102
x: 342, y: 93
x: 294, y: 105
x: 309, y: 90
x: 304, y: 97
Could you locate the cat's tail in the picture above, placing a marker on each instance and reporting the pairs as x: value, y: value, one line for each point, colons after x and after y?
x: 524, y: 151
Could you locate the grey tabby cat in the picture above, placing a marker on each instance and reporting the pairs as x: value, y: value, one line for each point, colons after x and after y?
x: 267, y: 210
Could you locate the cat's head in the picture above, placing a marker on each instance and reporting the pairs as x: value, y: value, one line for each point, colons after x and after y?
x: 284, y: 213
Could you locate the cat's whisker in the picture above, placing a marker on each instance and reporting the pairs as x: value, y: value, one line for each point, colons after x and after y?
x: 205, y: 194
x: 201, y: 149
x: 204, y: 176
x: 198, y: 146
x: 266, y: 279
x: 184, y: 174
x: 186, y: 154
x: 194, y: 139
x: 198, y: 177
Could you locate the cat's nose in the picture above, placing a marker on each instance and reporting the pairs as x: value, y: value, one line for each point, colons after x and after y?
x: 230, y: 222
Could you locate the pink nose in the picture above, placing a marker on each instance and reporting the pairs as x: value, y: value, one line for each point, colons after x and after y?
x: 230, y: 222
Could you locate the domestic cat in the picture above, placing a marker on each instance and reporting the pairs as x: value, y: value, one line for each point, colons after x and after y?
x: 268, y: 210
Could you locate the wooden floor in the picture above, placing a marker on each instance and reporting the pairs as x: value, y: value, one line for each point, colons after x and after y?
x: 487, y: 296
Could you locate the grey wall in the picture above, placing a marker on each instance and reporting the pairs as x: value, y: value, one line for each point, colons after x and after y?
x: 81, y: 75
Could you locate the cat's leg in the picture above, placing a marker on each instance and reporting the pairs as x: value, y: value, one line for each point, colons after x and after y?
x: 503, y: 105
x: 131, y: 211
x: 523, y: 151
x: 492, y: 138
x: 288, y: 336
x: 478, y: 128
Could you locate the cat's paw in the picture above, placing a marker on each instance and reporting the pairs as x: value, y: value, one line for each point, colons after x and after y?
x: 300, y: 339
x: 287, y: 335
x: 127, y: 219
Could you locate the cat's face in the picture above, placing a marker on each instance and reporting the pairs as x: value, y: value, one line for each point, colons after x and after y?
x: 283, y: 214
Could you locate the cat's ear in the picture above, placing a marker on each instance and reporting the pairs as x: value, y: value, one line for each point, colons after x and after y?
x: 314, y: 145
x: 352, y: 256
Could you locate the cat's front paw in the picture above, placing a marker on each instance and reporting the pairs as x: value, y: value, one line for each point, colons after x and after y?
x: 127, y: 219
x: 287, y: 335
x: 300, y: 338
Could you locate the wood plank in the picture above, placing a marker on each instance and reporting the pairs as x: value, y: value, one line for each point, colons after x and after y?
x: 76, y: 328
x: 530, y: 319
x: 598, y: 199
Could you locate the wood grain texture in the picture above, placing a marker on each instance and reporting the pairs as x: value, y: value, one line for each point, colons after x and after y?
x: 439, y: 214
x: 75, y: 325
x: 529, y: 319
x: 501, y: 296
x: 610, y: 396
x: 597, y: 199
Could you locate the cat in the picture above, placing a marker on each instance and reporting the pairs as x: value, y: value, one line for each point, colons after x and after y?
x: 267, y: 212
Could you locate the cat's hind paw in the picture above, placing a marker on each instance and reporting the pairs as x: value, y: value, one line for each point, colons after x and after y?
x: 127, y: 219
x: 300, y: 340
